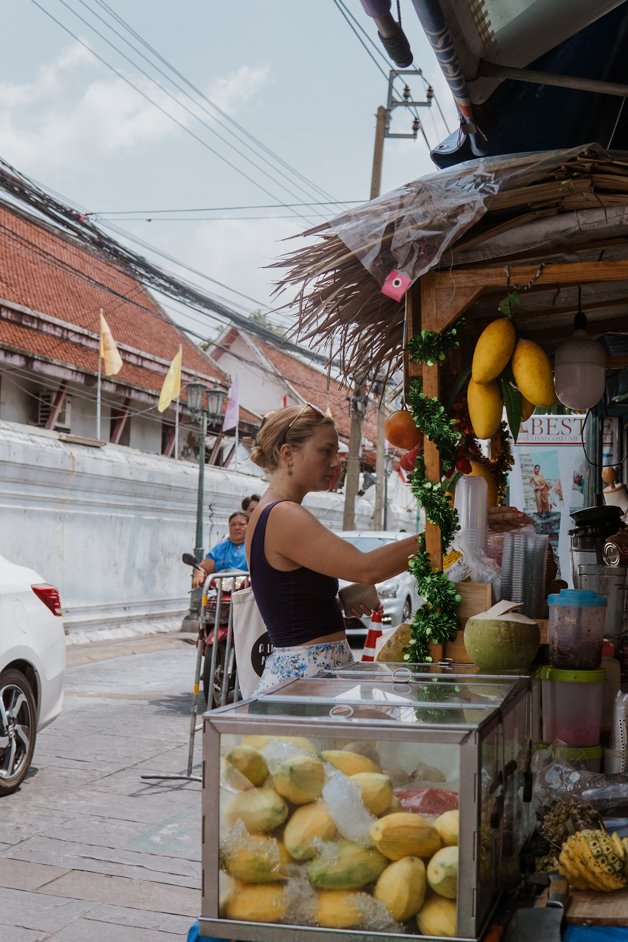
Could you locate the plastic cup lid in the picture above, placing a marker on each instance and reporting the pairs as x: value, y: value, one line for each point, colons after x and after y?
x: 577, y: 597
x: 572, y: 677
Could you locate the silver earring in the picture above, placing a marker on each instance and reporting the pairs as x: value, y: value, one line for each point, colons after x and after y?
x: 290, y: 471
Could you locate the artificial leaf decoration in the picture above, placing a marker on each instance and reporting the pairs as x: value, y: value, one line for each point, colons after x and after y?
x: 509, y: 303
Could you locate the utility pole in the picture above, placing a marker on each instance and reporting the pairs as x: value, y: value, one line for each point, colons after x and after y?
x: 382, y: 131
x: 358, y: 397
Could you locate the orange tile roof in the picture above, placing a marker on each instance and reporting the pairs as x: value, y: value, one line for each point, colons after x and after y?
x: 50, y: 273
x: 318, y: 388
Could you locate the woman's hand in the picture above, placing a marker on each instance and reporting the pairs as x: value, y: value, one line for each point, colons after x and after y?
x: 501, y: 519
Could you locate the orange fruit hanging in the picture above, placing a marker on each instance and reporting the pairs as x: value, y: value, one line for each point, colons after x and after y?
x: 401, y: 431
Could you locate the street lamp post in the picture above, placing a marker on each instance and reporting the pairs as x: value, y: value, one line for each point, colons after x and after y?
x: 215, y: 399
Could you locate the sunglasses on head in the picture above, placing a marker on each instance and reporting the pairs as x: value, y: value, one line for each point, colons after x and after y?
x: 308, y: 405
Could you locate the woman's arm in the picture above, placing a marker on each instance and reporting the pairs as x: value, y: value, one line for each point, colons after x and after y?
x: 294, y: 537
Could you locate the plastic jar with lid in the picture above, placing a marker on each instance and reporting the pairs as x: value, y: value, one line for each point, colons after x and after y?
x: 576, y: 629
x: 571, y: 705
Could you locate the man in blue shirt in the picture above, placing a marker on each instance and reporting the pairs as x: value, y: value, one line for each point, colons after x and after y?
x: 229, y: 554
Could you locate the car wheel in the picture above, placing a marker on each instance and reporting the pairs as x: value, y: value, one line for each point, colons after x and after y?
x: 406, y: 614
x: 18, y: 729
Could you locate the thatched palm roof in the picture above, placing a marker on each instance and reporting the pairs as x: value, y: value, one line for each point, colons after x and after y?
x: 533, y: 208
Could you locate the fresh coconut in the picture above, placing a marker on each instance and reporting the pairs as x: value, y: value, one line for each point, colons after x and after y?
x: 502, y: 639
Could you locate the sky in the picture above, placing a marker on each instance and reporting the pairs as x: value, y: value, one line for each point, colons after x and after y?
x: 157, y: 162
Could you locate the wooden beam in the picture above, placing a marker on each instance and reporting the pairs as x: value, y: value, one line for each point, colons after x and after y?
x: 431, y: 387
x: 120, y: 422
x: 58, y: 404
x: 554, y: 273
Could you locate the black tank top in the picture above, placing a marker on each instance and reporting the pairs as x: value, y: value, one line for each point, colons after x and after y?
x: 296, y: 606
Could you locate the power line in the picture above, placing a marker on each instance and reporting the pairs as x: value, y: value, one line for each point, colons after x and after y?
x: 216, y: 108
x: 217, y: 209
x: 155, y: 104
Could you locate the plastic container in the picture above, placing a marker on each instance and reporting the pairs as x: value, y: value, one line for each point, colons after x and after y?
x: 612, y: 668
x: 472, y: 505
x: 572, y: 705
x: 576, y: 629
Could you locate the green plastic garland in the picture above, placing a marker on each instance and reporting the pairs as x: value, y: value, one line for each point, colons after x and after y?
x: 435, y: 621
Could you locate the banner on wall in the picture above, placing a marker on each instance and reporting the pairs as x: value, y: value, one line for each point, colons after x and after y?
x: 547, y: 480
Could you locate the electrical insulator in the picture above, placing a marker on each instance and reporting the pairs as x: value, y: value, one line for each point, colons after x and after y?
x: 430, y: 93
x: 406, y: 93
x: 416, y: 125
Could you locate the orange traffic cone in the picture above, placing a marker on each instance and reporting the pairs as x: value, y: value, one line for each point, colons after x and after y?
x: 374, y: 632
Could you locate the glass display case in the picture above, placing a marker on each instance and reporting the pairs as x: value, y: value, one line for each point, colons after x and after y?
x: 371, y: 800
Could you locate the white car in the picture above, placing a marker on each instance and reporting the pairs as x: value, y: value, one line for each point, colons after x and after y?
x: 32, y: 664
x: 399, y: 596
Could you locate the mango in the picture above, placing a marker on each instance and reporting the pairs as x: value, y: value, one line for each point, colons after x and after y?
x: 262, y: 860
x: 349, y: 762
x: 300, y: 779
x: 403, y: 834
x: 532, y: 372
x: 249, y: 762
x: 308, y: 825
x: 376, y: 790
x: 345, y: 866
x: 339, y: 909
x: 486, y: 406
x: 448, y: 826
x: 493, y: 350
x: 401, y: 887
x: 261, y: 810
x: 442, y: 872
x: 438, y: 917
x: 251, y: 903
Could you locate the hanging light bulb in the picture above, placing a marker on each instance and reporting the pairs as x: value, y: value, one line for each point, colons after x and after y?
x: 580, y: 367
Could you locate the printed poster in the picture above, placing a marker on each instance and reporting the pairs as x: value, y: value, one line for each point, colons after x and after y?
x: 547, y: 480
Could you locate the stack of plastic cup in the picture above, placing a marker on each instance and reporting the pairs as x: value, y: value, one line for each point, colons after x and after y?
x: 472, y: 506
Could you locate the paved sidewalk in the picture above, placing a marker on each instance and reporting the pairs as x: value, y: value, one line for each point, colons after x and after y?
x: 88, y: 851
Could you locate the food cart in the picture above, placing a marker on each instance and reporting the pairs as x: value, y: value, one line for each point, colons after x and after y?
x: 539, y: 237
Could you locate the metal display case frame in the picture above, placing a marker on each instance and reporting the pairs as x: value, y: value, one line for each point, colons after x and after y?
x: 341, y: 722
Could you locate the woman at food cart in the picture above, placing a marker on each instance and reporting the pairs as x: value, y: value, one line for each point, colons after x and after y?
x: 295, y: 562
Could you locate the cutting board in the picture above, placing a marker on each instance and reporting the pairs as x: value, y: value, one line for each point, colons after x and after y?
x: 598, y: 909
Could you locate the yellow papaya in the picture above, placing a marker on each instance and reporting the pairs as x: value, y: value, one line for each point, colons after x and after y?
x: 345, y: 866
x: 403, y: 834
x: 256, y: 903
x: 349, y: 762
x: 486, y: 406
x: 480, y: 469
x: 376, y: 790
x: 300, y: 779
x: 438, y: 916
x: 308, y: 825
x: 339, y: 909
x: 261, y: 860
x: 532, y: 372
x: 493, y: 350
x: 448, y: 826
x: 401, y: 887
x: 261, y: 810
x: 442, y: 872
x: 249, y: 762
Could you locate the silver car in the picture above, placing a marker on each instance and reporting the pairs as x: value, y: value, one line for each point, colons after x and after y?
x: 399, y: 596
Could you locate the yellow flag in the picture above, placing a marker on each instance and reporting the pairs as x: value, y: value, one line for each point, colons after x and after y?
x: 112, y: 361
x: 172, y: 383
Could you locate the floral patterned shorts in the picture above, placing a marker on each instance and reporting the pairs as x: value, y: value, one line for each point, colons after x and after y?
x: 304, y: 660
